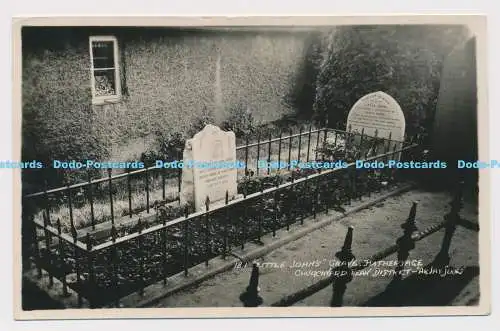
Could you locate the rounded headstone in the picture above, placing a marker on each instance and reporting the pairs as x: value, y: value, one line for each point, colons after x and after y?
x: 377, y: 112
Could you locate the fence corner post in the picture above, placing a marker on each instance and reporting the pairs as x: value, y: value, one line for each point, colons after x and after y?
x: 452, y: 219
x: 405, y: 242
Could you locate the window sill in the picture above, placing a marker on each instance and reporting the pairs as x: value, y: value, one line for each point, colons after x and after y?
x: 106, y: 100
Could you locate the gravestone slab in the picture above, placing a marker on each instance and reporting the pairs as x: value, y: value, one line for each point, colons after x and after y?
x: 378, y: 114
x: 206, y: 152
x: 378, y: 111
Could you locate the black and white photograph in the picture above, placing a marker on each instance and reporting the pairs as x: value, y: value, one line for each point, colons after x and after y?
x: 260, y: 167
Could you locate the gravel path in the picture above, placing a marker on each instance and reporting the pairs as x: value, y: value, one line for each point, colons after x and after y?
x: 375, y: 228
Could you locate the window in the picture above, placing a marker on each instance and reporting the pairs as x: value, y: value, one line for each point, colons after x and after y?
x: 105, y: 74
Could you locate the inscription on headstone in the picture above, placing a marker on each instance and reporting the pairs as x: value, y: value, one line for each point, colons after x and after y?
x: 378, y: 115
x: 211, y: 153
x: 379, y: 112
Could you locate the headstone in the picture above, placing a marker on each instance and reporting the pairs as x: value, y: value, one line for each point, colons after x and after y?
x: 378, y: 115
x: 207, y: 152
x: 378, y: 111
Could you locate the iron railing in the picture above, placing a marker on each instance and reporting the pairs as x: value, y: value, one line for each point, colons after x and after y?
x: 127, y: 259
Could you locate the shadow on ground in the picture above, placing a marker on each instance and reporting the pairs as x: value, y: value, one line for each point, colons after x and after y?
x: 34, y: 298
x: 424, y: 290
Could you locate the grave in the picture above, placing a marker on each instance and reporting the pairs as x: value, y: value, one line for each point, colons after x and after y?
x: 209, y: 168
x: 378, y: 115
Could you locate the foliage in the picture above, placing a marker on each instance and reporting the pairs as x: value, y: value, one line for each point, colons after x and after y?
x: 351, y: 147
x: 403, y: 61
x: 60, y: 125
x: 302, y: 93
x: 240, y: 121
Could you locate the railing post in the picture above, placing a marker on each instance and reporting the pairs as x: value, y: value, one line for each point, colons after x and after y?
x: 258, y: 153
x: 452, y: 219
x: 207, y: 231
x: 146, y: 173
x: 326, y: 193
x: 163, y: 192
x: 325, y: 135
x: 309, y: 143
x: 91, y: 287
x: 47, y: 249
x: 140, y: 257
x: 393, y: 173
x: 74, y: 235
x: 226, y: 230
x: 279, y: 151
x: 129, y: 193
x: 268, y: 154
x: 300, y: 144
x: 179, y: 175
x: 164, y: 247
x: 70, y: 205
x: 251, y: 297
x: 63, y: 262
x: 114, y: 266
x: 277, y: 216
x: 348, y: 141
x: 305, y: 186
x: 384, y: 171
x: 246, y: 157
x: 290, y: 149
x: 186, y: 241
x: 91, y: 200
x: 405, y: 242
x: 111, y: 197
x: 362, y: 155
x: 316, y: 197
x: 261, y: 212
x: 245, y: 218
x: 317, y: 145
x: 342, y: 274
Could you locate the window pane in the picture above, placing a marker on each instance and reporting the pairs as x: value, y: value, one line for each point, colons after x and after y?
x: 103, y: 54
x: 105, y: 84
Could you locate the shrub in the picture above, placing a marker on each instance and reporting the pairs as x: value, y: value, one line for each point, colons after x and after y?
x: 403, y: 61
x: 240, y: 121
x: 303, y: 90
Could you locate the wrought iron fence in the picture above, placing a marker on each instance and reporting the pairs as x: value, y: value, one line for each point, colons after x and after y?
x: 121, y: 259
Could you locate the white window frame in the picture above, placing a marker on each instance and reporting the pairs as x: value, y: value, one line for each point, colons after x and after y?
x: 99, y: 100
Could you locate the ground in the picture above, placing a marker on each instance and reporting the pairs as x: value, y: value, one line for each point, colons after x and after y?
x: 375, y: 229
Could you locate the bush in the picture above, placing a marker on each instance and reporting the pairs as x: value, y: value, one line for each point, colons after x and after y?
x: 240, y: 121
x: 303, y: 91
x: 403, y: 61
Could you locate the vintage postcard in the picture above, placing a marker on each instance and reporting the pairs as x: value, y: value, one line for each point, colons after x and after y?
x: 219, y: 167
